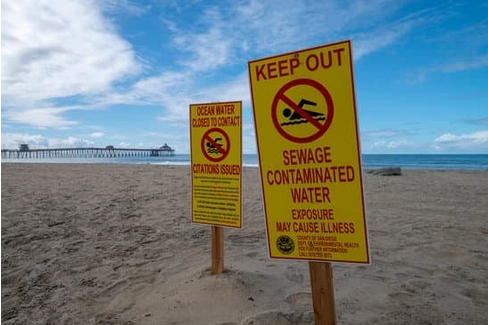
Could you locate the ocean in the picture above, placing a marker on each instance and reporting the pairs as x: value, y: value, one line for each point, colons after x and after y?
x: 407, y: 161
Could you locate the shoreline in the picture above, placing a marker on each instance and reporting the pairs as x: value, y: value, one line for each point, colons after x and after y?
x: 114, y: 244
x: 369, y: 161
x: 364, y: 169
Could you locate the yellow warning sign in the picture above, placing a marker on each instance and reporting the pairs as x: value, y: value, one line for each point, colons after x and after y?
x: 308, y: 144
x: 216, y: 163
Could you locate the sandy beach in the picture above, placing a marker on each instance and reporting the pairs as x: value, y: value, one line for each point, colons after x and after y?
x: 114, y: 244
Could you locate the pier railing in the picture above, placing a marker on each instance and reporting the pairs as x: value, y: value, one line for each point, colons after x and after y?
x: 86, y: 153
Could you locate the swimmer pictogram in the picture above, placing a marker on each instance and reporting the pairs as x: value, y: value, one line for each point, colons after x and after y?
x: 215, y: 144
x: 214, y: 147
x: 296, y: 116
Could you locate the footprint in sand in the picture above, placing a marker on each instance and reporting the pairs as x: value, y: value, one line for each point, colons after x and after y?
x: 294, y: 274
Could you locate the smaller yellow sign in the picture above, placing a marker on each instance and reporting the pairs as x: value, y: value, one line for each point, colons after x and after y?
x: 216, y: 163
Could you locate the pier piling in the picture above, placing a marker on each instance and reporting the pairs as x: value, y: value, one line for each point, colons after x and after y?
x: 24, y: 152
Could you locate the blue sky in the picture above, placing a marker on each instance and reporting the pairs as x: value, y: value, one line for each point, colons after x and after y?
x: 120, y: 72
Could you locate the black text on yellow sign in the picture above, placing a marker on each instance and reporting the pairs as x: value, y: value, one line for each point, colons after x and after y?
x: 216, y: 151
x: 308, y: 145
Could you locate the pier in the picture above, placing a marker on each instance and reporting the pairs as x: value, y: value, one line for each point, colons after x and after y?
x: 24, y: 152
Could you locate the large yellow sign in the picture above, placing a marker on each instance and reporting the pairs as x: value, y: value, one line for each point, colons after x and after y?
x: 216, y: 160
x: 308, y: 144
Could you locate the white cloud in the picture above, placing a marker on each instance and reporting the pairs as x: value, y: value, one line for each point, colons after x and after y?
x: 176, y: 102
x: 276, y: 26
x: 463, y: 139
x: 366, y: 43
x: 270, y: 27
x: 398, y: 144
x: 60, y: 48
x: 97, y: 135
x: 124, y: 7
x: 209, y: 50
x: 234, y: 89
x: 474, y: 142
x: 124, y: 145
x: 167, y: 136
x: 57, y: 49
x: 70, y: 142
x: 40, y: 117
x: 386, y: 133
x: 390, y: 145
x: 13, y: 140
x: 464, y: 64
x: 169, y: 89
x: 471, y: 142
x: 257, y: 27
x: 37, y: 141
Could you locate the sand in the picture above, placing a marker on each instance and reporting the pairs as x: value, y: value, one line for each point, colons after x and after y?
x: 114, y: 244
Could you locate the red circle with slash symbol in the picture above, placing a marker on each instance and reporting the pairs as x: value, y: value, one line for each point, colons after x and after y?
x: 320, y: 128
x: 212, y: 147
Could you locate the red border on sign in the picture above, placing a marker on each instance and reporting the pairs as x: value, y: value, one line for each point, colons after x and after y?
x: 223, y: 151
x: 281, y: 96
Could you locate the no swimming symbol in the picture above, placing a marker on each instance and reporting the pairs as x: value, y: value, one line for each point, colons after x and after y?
x: 297, y: 123
x: 296, y: 118
x: 215, y: 144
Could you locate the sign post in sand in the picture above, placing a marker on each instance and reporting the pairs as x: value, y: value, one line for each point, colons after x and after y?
x: 308, y: 144
x: 216, y: 169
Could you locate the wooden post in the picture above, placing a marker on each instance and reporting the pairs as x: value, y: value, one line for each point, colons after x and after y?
x: 217, y: 250
x: 322, y: 293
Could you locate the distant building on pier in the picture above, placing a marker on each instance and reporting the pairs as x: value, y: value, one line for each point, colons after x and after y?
x: 165, y: 147
x: 24, y: 147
